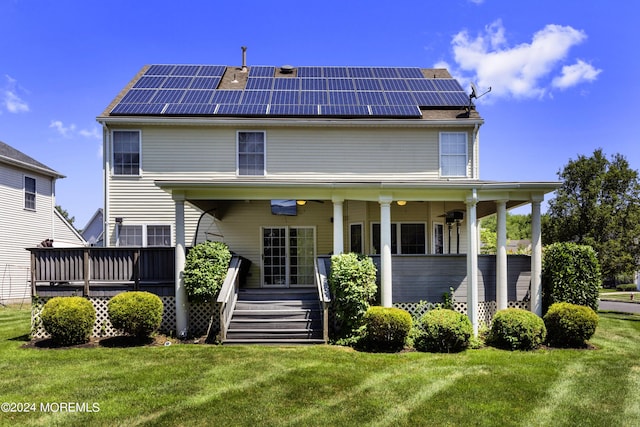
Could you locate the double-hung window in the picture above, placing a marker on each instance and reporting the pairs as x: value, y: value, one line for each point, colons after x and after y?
x: 453, y: 154
x: 29, y: 193
x: 406, y: 238
x: 144, y: 235
x: 126, y: 152
x: 251, y: 153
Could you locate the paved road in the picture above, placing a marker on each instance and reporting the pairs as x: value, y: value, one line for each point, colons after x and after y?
x: 624, y: 307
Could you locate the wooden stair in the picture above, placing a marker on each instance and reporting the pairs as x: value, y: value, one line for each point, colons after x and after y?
x: 276, y: 316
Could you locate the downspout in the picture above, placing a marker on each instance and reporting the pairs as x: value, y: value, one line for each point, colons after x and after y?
x: 106, y: 153
x: 476, y: 151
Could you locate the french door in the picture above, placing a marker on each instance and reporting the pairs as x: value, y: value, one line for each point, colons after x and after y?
x: 288, y: 255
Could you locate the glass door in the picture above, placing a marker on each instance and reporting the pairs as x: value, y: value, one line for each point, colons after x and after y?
x: 288, y: 255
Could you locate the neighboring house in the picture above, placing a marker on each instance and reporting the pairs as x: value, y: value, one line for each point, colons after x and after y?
x: 288, y: 164
x: 92, y: 232
x: 29, y: 217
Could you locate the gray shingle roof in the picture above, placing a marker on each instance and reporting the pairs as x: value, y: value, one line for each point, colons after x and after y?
x: 8, y: 154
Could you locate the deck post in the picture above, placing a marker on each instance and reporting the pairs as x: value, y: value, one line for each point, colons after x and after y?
x: 182, y: 324
x: 86, y: 272
x: 385, y: 252
x: 501, y: 255
x: 472, y: 261
x: 338, y: 227
x: 536, y: 256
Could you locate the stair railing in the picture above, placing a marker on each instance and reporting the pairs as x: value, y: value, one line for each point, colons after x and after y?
x: 228, y: 296
x: 324, y: 295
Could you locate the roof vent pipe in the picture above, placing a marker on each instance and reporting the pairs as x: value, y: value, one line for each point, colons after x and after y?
x: 244, y: 59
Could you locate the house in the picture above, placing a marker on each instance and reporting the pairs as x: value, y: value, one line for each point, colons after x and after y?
x: 29, y: 217
x: 92, y: 232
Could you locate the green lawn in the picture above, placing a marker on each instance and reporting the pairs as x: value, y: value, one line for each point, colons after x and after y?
x: 613, y: 295
x: 322, y: 385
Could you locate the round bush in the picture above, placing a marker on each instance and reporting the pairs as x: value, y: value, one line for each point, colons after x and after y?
x: 205, y: 269
x: 443, y: 331
x: 69, y: 320
x: 516, y: 329
x: 386, y: 328
x: 570, y: 325
x: 136, y: 313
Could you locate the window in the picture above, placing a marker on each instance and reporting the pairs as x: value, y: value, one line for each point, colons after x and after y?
x: 438, y: 238
x: 29, y: 193
x: 144, y: 235
x: 355, y: 233
x: 126, y: 152
x: 251, y: 153
x: 409, y: 238
x: 453, y: 154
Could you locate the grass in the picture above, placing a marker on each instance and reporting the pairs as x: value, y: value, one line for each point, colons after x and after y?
x: 323, y: 385
x: 613, y: 295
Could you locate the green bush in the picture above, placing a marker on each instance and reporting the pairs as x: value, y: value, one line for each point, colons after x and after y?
x: 205, y: 269
x: 386, y: 328
x: 69, y: 320
x: 570, y: 325
x: 136, y: 313
x: 516, y: 329
x: 353, y: 288
x: 570, y: 273
x: 629, y: 287
x: 443, y: 331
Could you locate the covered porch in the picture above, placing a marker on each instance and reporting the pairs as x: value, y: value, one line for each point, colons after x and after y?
x: 337, y: 211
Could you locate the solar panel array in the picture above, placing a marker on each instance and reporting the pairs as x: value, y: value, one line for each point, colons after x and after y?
x: 193, y: 90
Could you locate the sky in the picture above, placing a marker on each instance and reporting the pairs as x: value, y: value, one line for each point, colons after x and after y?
x: 564, y: 75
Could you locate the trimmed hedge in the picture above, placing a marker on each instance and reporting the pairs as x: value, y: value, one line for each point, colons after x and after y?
x: 205, y: 269
x: 516, y: 329
x: 570, y: 325
x: 353, y: 286
x: 136, y: 313
x: 386, y: 328
x: 570, y: 273
x: 69, y: 320
x: 443, y: 331
x: 629, y: 287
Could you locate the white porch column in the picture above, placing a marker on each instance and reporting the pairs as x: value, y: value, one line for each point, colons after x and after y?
x: 385, y: 252
x: 472, y: 261
x: 182, y: 322
x: 536, y: 256
x: 338, y: 227
x: 501, y: 255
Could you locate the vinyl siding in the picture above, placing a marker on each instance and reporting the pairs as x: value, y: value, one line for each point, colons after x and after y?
x: 21, y: 228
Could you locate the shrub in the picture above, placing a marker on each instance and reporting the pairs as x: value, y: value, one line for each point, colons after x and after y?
x: 205, y: 269
x: 136, y: 313
x: 570, y: 273
x: 69, y: 320
x: 570, y: 325
x: 386, y: 328
x: 629, y: 287
x: 353, y: 286
x: 516, y: 329
x: 444, y: 331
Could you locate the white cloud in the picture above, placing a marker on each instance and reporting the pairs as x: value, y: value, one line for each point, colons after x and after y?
x: 93, y: 133
x: 477, y: 1
x: 575, y: 74
x: 63, y: 130
x: 72, y: 130
x: 11, y: 99
x: 521, y: 71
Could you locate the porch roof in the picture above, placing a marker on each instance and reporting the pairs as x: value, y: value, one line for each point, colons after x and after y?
x: 201, y: 192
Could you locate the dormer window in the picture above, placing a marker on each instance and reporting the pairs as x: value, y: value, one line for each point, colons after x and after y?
x: 453, y: 154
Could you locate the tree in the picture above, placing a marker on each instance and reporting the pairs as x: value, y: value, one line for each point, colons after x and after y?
x: 598, y: 205
x: 65, y: 215
x: 518, y: 228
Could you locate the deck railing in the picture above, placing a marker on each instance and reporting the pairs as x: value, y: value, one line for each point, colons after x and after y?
x: 229, y: 295
x: 88, y: 268
x: 324, y: 294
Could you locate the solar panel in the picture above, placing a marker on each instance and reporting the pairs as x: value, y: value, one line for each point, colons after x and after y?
x: 343, y: 98
x: 454, y: 99
x: 367, y: 84
x: 371, y: 98
x: 242, y: 110
x: 138, y: 109
x: 195, y: 109
x: 286, y: 83
x: 335, y: 71
x: 360, y: 72
x: 293, y: 110
x: 260, y: 71
x: 251, y: 97
x: 410, y: 73
x: 159, y: 70
x: 385, y: 72
x: 394, y: 84
x: 149, y: 82
x: 226, y: 97
x: 185, y: 70
x: 168, y: 95
x: 259, y: 83
x: 212, y: 70
x: 285, y: 97
x: 421, y: 85
x: 344, y: 110
x: 205, y: 82
x: 313, y: 97
x: 138, y: 96
x: 177, y: 82
x: 310, y: 72
x: 395, y: 110
x: 427, y: 99
x: 197, y: 97
x: 450, y: 85
x: 400, y: 98
x: 314, y: 84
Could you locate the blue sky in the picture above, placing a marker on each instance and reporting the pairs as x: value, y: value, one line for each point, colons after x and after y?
x: 564, y: 74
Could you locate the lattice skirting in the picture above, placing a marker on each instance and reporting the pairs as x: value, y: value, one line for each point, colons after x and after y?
x: 200, y: 315
x: 486, y: 309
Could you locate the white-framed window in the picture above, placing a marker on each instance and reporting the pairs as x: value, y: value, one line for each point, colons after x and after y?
x: 126, y: 147
x: 30, y: 193
x: 143, y: 235
x: 453, y: 154
x: 406, y: 238
x: 438, y: 238
x: 251, y: 153
x: 356, y: 238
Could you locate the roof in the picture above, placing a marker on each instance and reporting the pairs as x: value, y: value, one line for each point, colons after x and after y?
x: 10, y: 155
x: 220, y: 91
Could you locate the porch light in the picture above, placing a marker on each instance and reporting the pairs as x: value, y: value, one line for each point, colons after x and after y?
x: 301, y: 202
x: 401, y: 202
